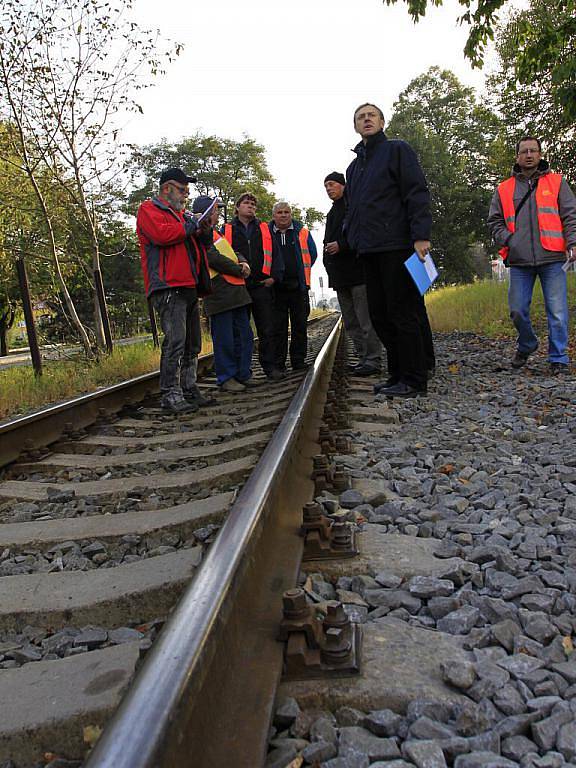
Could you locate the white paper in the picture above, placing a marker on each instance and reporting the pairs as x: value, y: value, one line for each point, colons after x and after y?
x: 208, y: 210
x: 430, y: 268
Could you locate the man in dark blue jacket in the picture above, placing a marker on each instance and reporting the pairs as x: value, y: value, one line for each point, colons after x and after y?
x: 388, y: 219
x: 293, y: 254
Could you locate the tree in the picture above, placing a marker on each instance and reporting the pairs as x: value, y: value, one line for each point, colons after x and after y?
x: 69, y: 69
x: 546, y: 43
x: 222, y: 167
x: 533, y: 110
x: 455, y: 139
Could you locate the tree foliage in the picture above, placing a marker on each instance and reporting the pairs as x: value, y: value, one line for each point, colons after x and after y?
x: 530, y: 110
x: 223, y: 167
x: 545, y: 42
x: 69, y: 73
x: 457, y: 142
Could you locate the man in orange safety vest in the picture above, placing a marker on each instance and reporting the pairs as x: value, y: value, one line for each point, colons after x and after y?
x: 533, y: 218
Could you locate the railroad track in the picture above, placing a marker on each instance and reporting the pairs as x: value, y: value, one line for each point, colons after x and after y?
x: 100, y: 535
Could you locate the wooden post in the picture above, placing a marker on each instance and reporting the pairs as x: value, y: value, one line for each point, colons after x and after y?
x: 153, y: 324
x: 29, y: 317
x: 103, y: 310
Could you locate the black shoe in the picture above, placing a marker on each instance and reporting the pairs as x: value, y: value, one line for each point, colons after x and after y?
x: 366, y: 370
x: 276, y: 375
x: 303, y: 366
x: 520, y: 358
x: 195, y: 397
x: 390, y: 382
x: 401, y: 389
x: 559, y: 369
x: 173, y: 404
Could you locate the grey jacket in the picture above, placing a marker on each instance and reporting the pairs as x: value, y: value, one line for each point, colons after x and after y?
x: 225, y: 296
x: 525, y: 247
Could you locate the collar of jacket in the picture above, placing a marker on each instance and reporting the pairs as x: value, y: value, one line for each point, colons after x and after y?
x: 362, y: 149
x: 164, y: 205
x: 292, y: 223
x: 542, y: 170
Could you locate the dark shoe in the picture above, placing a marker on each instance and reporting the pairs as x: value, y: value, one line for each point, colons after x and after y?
x: 390, y: 382
x: 300, y: 366
x: 520, y: 358
x: 195, y: 397
x: 366, y: 370
x: 231, y: 385
x: 559, y: 369
x: 401, y: 389
x: 173, y: 404
x: 276, y: 375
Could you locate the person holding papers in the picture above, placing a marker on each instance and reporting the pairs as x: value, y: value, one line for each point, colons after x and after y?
x: 388, y: 219
x: 173, y: 254
x: 227, y: 306
x: 533, y: 217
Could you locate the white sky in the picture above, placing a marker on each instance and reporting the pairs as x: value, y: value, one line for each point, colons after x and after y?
x: 290, y: 74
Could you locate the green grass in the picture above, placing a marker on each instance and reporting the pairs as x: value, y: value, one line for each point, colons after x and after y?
x: 21, y: 391
x: 482, y: 308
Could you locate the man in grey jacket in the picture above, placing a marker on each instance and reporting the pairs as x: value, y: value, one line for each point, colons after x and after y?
x: 533, y: 217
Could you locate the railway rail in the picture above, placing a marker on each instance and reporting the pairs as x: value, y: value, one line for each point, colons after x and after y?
x: 100, y: 535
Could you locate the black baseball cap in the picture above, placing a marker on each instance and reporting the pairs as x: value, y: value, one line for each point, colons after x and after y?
x: 176, y: 174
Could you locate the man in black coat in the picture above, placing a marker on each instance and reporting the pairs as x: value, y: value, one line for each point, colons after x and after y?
x: 388, y: 219
x: 346, y: 276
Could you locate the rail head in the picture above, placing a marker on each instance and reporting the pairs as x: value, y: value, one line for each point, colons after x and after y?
x: 166, y: 717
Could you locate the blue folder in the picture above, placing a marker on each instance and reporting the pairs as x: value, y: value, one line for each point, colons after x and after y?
x: 423, y: 273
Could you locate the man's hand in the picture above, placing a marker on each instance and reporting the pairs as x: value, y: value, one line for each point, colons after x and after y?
x: 422, y: 248
x: 571, y: 255
x: 245, y: 267
x: 268, y: 283
x: 332, y: 248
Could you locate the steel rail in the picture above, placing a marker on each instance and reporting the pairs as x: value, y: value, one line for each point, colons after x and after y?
x: 205, y: 692
x: 39, y: 429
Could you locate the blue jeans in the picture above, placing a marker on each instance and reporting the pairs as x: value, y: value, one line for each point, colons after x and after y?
x: 553, y: 282
x: 233, y: 340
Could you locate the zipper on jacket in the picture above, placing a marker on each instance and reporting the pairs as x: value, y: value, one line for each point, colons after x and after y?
x: 531, y: 224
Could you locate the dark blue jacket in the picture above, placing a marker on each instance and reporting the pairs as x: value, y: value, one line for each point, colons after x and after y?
x: 388, y: 198
x: 278, y: 266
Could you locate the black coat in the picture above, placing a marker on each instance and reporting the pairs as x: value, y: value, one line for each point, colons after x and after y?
x: 388, y: 198
x: 344, y: 268
x: 251, y: 249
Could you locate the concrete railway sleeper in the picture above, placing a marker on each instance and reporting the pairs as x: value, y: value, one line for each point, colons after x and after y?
x: 100, y: 534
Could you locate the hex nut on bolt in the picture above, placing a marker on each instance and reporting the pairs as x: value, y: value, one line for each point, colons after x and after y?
x: 294, y: 603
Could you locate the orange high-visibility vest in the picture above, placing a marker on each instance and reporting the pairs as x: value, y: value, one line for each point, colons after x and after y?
x: 549, y: 222
x: 232, y: 279
x: 266, y: 245
x: 306, y: 258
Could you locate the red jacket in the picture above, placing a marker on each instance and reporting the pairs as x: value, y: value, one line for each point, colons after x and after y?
x: 171, y: 248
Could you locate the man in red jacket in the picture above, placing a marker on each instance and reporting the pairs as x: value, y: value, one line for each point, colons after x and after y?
x: 173, y: 254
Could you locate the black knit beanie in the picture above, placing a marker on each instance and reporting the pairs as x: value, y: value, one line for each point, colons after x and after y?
x: 335, y: 176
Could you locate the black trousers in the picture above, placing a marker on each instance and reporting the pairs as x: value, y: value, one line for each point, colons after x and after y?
x: 396, y: 310
x: 262, y: 309
x: 290, y: 305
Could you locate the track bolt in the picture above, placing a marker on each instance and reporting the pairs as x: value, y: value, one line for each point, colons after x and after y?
x: 294, y: 604
x: 341, y: 536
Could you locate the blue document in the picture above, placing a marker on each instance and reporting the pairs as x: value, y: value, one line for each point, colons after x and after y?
x: 424, y: 273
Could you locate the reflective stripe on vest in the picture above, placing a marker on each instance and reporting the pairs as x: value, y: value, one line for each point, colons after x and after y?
x: 549, y: 222
x: 266, y: 245
x: 227, y: 251
x: 306, y: 258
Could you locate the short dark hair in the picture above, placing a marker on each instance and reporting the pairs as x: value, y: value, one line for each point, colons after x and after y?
x: 528, y: 138
x: 246, y: 196
x: 369, y: 104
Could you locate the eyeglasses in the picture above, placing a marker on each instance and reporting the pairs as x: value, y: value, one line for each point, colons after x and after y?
x: 529, y: 152
x: 182, y: 190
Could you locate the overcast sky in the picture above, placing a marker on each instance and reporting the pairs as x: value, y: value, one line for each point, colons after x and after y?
x: 290, y: 74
